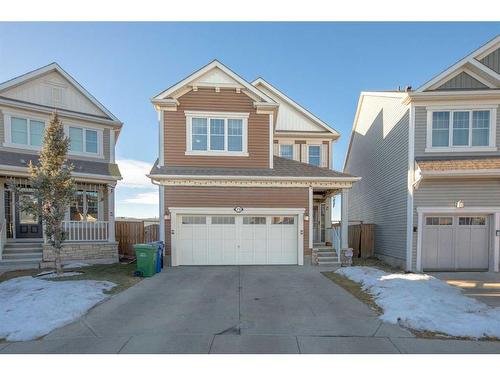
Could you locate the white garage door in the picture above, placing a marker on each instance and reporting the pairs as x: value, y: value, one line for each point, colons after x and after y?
x: 236, y: 239
x: 455, y: 243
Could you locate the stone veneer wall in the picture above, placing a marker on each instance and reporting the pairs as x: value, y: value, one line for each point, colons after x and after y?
x: 90, y: 251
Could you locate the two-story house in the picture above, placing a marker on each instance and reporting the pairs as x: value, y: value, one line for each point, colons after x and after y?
x: 430, y: 165
x: 244, y: 173
x: 26, y: 105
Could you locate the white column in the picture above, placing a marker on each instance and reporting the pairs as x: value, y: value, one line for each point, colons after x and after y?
x: 162, y: 213
x: 344, y: 220
x: 111, y: 213
x: 311, y: 234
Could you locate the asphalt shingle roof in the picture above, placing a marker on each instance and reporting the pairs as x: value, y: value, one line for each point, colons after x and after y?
x: 281, y: 168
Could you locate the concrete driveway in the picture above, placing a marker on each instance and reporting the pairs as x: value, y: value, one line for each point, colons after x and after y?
x: 252, y: 309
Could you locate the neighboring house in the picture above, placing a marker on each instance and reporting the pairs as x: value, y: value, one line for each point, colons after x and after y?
x: 244, y: 172
x: 26, y: 104
x: 430, y: 166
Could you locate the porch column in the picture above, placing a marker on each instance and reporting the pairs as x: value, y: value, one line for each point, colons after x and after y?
x: 344, y: 220
x: 111, y: 213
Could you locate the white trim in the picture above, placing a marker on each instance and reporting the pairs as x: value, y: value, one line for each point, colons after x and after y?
x: 271, y: 141
x: 298, y: 107
x: 174, y: 211
x: 487, y: 69
x: 442, y: 76
x: 460, y: 71
x: 24, y: 171
x: 214, y: 64
x: 410, y: 185
x: 255, y: 178
x: 84, y: 128
x: 459, y: 108
x: 310, y: 204
x: 495, y: 211
x: 216, y: 115
x: 161, y: 131
x: 55, y: 67
x: 7, y: 116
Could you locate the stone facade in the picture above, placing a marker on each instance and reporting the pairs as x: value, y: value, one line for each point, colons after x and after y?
x: 93, y: 252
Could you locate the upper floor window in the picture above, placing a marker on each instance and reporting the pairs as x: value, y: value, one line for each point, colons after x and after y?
x: 214, y: 133
x: 314, y: 154
x: 461, y: 130
x: 83, y: 140
x: 286, y: 151
x: 26, y: 131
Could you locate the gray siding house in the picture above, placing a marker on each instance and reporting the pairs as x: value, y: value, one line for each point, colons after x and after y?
x: 430, y: 165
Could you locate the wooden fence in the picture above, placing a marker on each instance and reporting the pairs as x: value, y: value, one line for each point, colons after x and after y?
x: 362, y: 240
x: 129, y: 233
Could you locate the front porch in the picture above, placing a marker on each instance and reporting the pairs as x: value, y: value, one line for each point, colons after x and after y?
x: 326, y: 241
x: 89, y: 225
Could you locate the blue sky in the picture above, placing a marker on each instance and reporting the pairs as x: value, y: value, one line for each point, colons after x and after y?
x: 322, y: 66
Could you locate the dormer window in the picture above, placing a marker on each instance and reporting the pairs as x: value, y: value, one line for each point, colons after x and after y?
x: 461, y: 130
x: 286, y: 151
x: 216, y: 133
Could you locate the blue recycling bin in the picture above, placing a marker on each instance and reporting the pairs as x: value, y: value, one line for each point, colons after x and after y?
x: 159, y: 255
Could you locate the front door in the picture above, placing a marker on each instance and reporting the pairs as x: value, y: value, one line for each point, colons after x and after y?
x: 27, y: 225
x: 319, y: 223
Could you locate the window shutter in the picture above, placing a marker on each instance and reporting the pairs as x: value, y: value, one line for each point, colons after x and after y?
x: 324, y: 155
x: 296, y: 152
x: 276, y: 149
x: 304, y: 153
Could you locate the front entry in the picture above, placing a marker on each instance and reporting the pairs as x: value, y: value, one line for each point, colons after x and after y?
x: 27, y: 225
x: 319, y: 222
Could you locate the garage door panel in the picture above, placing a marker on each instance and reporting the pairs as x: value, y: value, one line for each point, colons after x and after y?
x: 446, y: 253
x: 480, y: 245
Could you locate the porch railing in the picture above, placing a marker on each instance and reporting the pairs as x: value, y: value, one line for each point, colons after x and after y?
x: 335, y: 233
x: 3, y: 237
x: 86, y: 230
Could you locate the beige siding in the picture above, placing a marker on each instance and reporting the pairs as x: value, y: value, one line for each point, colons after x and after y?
x: 191, y: 196
x: 421, y: 136
x: 379, y: 155
x: 462, y: 81
x: 223, y: 101
x: 2, y: 131
x: 444, y: 192
x: 106, y: 144
x: 492, y: 61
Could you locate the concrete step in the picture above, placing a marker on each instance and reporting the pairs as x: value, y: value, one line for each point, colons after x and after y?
x: 327, y: 254
x: 21, y: 243
x: 327, y: 259
x: 329, y: 264
x: 16, y: 250
x: 22, y: 256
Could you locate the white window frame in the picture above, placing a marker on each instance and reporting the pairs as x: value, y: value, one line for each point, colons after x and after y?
x: 309, y: 144
x: 216, y: 115
x: 100, y: 206
x: 289, y: 143
x: 468, y: 148
x: 100, y: 142
x: 8, y: 130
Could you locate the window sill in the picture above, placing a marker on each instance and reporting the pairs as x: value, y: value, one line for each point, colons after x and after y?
x: 462, y: 149
x: 216, y: 153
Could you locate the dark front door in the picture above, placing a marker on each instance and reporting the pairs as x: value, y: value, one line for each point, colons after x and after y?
x: 27, y: 225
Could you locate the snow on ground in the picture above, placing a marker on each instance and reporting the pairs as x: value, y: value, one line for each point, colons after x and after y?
x: 423, y: 302
x: 75, y: 265
x: 54, y: 275
x: 30, y: 307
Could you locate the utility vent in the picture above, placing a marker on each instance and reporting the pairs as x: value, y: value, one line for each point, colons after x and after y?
x: 57, y: 96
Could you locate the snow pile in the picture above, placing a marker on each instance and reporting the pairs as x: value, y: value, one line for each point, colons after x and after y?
x: 54, y: 275
x: 30, y: 307
x: 75, y: 265
x: 423, y: 302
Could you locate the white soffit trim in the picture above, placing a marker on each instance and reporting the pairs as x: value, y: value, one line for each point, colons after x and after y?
x: 466, y: 60
x: 55, y: 67
x: 213, y: 65
x: 254, y: 178
x: 298, y: 107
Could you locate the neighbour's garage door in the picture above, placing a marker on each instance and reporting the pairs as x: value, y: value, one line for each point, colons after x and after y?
x: 455, y: 243
x: 233, y: 240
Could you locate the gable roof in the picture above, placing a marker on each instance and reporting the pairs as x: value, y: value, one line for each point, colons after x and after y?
x: 471, y: 65
x: 215, y: 64
x: 55, y: 67
x: 261, y: 82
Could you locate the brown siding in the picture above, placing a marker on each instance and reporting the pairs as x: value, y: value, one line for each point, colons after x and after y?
x: 223, y: 101
x: 194, y: 196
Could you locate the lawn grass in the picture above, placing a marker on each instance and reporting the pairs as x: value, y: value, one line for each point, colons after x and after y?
x: 120, y: 274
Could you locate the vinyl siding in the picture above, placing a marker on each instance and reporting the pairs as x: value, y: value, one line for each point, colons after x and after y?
x: 444, y: 192
x: 421, y: 136
x: 223, y: 101
x: 379, y: 155
x: 492, y: 61
x: 194, y: 196
x: 462, y: 81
